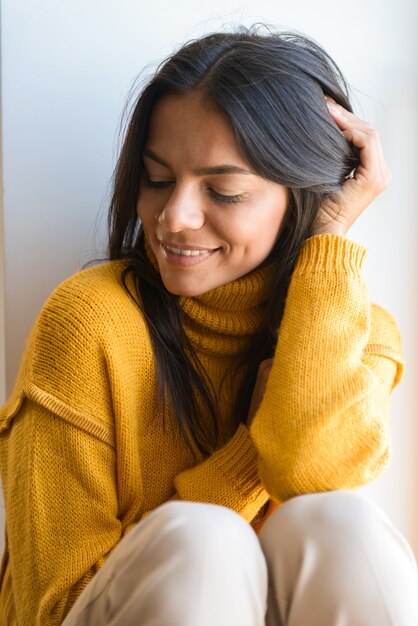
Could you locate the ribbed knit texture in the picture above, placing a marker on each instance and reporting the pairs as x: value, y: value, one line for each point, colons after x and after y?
x: 83, y: 452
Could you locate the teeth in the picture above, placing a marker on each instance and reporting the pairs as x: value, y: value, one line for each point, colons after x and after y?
x: 187, y: 252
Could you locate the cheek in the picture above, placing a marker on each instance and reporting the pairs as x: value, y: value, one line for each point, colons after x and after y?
x: 258, y: 230
x: 274, y: 219
x: 146, y: 211
x: 263, y: 235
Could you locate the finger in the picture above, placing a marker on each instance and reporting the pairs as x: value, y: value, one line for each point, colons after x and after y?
x: 369, y: 155
x: 348, y: 121
x: 372, y: 165
x: 344, y: 119
x: 343, y: 116
x: 265, y: 366
x: 366, y: 140
x: 340, y: 112
x: 263, y: 373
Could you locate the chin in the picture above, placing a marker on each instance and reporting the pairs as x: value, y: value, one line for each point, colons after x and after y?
x: 188, y: 290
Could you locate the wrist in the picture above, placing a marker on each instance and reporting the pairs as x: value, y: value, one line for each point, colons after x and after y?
x: 330, y: 253
x: 338, y: 229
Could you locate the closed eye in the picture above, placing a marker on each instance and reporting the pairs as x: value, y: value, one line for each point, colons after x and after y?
x: 218, y: 197
x: 161, y: 184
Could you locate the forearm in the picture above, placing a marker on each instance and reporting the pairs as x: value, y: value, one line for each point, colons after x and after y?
x: 229, y: 477
x: 322, y: 422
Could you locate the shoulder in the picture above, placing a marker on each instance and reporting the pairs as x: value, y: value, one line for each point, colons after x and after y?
x: 96, y: 288
x: 89, y: 313
x: 91, y: 303
x: 89, y: 333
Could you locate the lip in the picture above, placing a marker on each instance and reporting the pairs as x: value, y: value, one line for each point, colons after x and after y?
x: 179, y: 260
x: 181, y: 246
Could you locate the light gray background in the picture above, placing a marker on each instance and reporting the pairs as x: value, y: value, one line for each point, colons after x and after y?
x: 66, y: 69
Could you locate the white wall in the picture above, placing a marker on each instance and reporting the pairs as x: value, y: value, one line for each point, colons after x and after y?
x: 2, y: 315
x: 2, y: 320
x: 67, y: 67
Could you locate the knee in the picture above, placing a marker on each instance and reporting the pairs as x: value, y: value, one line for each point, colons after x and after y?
x: 199, y: 527
x: 202, y: 564
x: 341, y: 546
x: 334, y: 515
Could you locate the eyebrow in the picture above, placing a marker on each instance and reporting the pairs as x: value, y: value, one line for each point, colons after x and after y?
x: 202, y: 171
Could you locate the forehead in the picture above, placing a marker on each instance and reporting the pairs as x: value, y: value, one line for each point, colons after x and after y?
x: 190, y: 128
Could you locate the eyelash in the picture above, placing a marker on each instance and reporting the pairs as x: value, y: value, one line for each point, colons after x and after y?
x: 218, y: 197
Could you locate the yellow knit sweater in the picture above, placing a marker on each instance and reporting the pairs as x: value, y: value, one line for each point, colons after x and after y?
x: 83, y: 452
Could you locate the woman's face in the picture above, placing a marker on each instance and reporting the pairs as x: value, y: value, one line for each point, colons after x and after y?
x: 208, y: 217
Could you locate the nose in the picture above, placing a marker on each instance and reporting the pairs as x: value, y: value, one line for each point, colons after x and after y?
x: 182, y: 211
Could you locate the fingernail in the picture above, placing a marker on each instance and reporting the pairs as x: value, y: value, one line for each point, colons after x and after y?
x: 334, y: 109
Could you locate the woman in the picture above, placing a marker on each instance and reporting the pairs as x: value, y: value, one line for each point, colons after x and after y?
x: 224, y: 370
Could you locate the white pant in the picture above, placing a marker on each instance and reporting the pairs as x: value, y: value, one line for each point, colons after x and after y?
x: 326, y: 559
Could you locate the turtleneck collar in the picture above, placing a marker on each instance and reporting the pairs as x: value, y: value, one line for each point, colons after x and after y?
x: 221, y: 320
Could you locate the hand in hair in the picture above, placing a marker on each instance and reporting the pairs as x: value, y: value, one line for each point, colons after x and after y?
x: 339, y: 211
x: 259, y: 388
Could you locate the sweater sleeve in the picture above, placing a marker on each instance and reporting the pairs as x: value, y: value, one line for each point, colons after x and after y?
x: 67, y: 501
x: 323, y: 420
x: 54, y: 545
x: 229, y: 477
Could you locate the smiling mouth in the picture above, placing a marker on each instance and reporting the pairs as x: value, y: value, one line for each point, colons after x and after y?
x: 186, y: 252
x: 186, y: 256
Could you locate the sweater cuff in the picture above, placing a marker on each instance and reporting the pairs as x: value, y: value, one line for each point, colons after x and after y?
x: 229, y: 477
x: 330, y: 253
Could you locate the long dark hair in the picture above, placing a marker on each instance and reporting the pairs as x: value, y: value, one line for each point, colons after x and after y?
x: 271, y: 86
